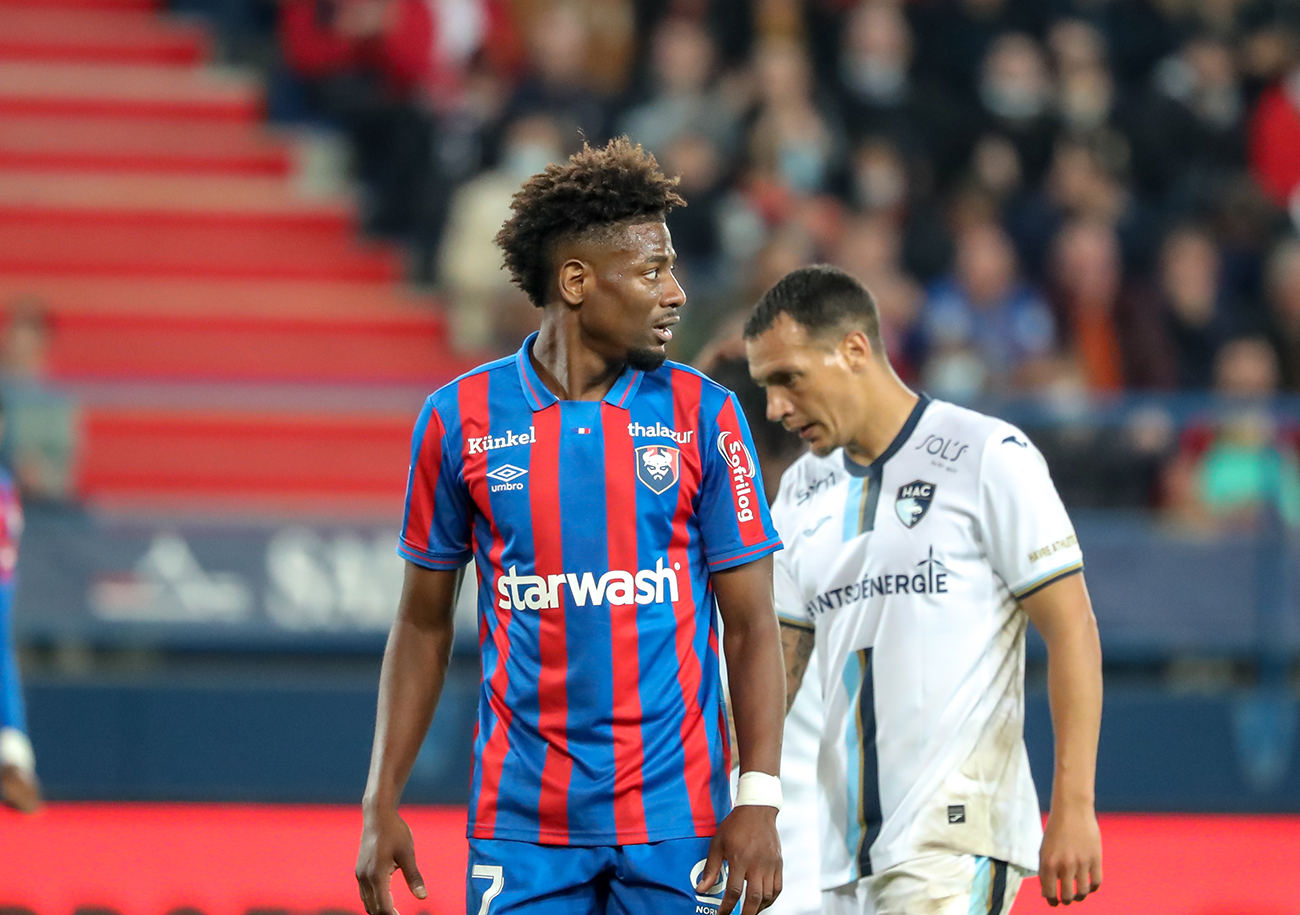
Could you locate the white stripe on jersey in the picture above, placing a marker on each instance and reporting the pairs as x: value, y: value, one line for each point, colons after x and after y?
x: 909, y: 570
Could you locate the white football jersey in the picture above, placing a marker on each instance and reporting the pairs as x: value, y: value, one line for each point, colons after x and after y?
x: 797, y: 824
x: 910, y: 572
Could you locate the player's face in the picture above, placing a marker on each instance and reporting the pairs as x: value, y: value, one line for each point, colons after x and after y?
x: 629, y: 310
x: 810, y: 385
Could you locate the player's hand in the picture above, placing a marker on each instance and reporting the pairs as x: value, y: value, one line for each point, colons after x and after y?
x: 386, y: 845
x: 1071, y: 855
x: 748, y: 842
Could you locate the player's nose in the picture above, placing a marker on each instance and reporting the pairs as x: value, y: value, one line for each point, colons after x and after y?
x: 674, y: 294
x: 778, y: 405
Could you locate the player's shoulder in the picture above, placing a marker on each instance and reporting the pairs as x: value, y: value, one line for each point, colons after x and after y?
x: 979, y: 431
x: 672, y: 373
x: 676, y: 380
x: 448, y: 396
x: 999, y: 449
x: 807, y: 476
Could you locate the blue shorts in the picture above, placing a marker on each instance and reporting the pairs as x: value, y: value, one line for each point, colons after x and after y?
x: 656, y: 878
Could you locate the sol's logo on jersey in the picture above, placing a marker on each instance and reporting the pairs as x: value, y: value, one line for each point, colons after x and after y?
x: 658, y: 466
x: 743, y: 469
x: 914, y: 501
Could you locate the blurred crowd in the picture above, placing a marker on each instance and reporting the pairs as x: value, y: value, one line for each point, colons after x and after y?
x: 1066, y: 198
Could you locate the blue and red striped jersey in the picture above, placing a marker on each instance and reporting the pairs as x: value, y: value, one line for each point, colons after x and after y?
x: 595, y: 526
x: 11, y: 527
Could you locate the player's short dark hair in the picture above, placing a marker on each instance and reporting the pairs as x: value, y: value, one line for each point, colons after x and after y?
x: 821, y: 299
x: 597, y: 189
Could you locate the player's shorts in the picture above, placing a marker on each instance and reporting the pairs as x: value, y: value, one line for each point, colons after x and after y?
x: 658, y: 878
x: 933, y: 884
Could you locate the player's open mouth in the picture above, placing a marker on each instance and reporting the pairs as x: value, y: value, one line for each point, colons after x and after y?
x: 664, y: 330
x: 808, y: 431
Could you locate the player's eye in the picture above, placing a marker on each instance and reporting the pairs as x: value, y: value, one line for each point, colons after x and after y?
x: 653, y: 273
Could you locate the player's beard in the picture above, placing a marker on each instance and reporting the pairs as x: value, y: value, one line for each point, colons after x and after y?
x: 645, y: 359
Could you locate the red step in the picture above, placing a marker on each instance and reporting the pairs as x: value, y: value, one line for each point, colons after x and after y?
x: 103, y: 35
x: 162, y: 250
x: 164, y: 348
x: 135, y: 456
x: 138, y: 145
x: 215, y: 299
x: 129, y: 200
x: 83, y: 4
x: 233, y: 331
x: 126, y: 90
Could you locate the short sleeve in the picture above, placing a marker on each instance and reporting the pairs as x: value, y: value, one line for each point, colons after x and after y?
x: 791, y: 609
x: 735, y: 524
x: 1027, y: 534
x: 436, y: 522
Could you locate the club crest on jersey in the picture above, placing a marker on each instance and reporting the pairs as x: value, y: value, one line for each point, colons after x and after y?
x: 914, y: 501
x: 658, y: 466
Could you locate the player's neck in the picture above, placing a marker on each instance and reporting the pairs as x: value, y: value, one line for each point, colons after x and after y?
x: 888, y: 404
x: 570, y: 370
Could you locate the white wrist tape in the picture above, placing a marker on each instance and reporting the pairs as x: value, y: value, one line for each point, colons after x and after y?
x: 758, y: 789
x: 16, y: 750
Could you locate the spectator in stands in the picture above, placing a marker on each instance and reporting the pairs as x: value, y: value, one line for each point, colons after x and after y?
x: 685, y: 99
x: 870, y: 249
x: 366, y: 65
x: 41, y: 445
x: 478, y: 287
x: 1275, y: 138
x: 1283, y: 292
x: 982, y: 325
x: 1231, y: 469
x: 1180, y: 324
x: 701, y: 166
x: 1190, y: 134
x: 884, y: 183
x: 956, y: 36
x: 561, y: 81
x: 1016, y: 92
x: 19, y: 787
x: 1087, y: 280
x: 795, y: 139
x: 879, y: 95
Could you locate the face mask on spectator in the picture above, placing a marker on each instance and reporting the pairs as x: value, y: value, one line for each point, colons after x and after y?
x: 803, y: 166
x: 880, y: 79
x: 1016, y: 101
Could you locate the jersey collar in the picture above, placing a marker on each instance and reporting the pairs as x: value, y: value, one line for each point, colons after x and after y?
x: 861, y: 470
x: 539, y: 396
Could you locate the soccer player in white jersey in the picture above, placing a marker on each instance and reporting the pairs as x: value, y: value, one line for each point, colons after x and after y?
x: 921, y: 539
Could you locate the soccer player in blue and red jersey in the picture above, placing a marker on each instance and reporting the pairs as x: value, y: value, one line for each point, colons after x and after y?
x: 614, y: 509
x: 19, y: 787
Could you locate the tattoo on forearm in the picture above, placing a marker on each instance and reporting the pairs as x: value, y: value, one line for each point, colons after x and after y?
x: 797, y: 645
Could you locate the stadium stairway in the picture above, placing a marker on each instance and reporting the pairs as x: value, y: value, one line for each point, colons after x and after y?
x: 232, y: 341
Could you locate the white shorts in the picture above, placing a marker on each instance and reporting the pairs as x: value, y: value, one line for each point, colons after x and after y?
x: 931, y: 885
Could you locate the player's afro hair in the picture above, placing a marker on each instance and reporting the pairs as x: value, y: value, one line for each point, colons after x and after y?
x: 596, y: 189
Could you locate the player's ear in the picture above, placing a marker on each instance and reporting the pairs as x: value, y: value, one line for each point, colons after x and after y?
x: 856, y: 349
x: 574, y: 276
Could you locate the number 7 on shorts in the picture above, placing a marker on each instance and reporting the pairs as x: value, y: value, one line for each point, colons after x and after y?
x: 491, y: 872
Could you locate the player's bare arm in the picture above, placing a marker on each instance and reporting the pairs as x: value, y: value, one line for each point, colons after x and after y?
x: 410, y: 682
x: 797, y: 644
x: 747, y: 838
x: 1071, y: 852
